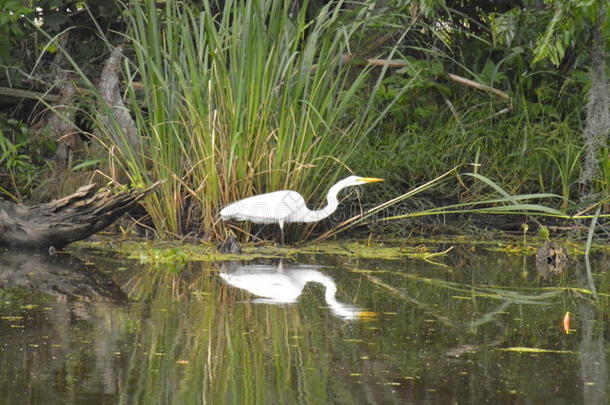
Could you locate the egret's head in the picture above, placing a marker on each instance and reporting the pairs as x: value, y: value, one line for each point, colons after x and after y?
x: 357, y: 180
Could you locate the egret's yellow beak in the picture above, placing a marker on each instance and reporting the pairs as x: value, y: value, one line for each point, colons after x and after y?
x: 370, y: 179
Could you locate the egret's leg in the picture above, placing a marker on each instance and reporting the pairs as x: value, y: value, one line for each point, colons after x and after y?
x: 281, y: 223
x: 255, y: 237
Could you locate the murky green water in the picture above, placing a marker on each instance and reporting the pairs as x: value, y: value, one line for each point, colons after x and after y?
x: 395, y: 332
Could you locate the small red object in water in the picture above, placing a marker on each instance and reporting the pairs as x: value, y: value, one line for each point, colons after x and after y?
x: 566, y: 322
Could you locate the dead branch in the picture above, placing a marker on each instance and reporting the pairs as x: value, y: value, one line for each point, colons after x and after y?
x: 60, y: 222
x: 32, y: 95
x: 451, y: 76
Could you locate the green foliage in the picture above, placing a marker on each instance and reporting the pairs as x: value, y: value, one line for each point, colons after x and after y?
x: 243, y: 97
x: 11, y: 27
x: 556, y: 28
x: 437, y: 124
x: 566, y: 159
x: 15, y: 162
x: 20, y: 22
x: 87, y: 164
x: 566, y: 27
x: 428, y: 8
x: 174, y: 259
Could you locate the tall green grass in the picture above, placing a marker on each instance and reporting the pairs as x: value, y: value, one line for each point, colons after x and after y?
x: 247, y: 99
x: 506, y: 203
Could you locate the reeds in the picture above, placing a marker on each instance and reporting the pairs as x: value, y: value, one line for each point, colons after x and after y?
x: 521, y: 204
x: 247, y: 99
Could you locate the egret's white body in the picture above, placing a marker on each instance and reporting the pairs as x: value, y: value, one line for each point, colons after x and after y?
x: 284, y: 286
x: 281, y: 207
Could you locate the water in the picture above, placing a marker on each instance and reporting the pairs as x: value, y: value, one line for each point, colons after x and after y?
x: 394, y: 332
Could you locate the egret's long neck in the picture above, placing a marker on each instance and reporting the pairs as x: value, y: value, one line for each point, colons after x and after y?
x: 318, y: 277
x: 331, y: 205
x: 345, y: 311
x: 330, y: 292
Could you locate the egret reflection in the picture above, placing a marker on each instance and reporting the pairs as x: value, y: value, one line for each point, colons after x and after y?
x: 280, y: 284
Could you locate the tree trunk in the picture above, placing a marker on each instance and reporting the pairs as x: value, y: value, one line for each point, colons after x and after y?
x: 114, y: 115
x: 597, y: 122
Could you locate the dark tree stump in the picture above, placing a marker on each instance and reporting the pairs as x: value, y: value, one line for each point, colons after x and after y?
x: 60, y: 222
x: 551, y: 259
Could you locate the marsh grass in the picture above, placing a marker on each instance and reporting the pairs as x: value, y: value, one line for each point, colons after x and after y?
x: 502, y: 203
x: 244, y: 100
x: 232, y: 100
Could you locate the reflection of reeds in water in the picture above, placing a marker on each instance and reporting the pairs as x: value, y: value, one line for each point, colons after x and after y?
x: 201, y: 343
x: 447, y: 292
x: 198, y: 340
x: 190, y: 338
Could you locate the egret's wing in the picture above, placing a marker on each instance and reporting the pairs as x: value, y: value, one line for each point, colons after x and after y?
x: 266, y: 208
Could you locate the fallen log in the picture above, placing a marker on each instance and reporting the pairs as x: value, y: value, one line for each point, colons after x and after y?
x: 60, y: 222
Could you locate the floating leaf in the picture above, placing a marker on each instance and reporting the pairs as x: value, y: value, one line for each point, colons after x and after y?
x: 566, y: 322
x: 533, y: 350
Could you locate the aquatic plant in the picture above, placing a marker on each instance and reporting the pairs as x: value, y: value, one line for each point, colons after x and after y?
x: 228, y: 101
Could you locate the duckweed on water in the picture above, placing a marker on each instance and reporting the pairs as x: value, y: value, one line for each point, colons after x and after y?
x: 178, y: 253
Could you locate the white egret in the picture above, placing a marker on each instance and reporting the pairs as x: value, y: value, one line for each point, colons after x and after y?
x: 285, y: 206
x: 279, y: 285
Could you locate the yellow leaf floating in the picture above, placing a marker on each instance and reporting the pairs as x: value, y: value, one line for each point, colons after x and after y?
x: 566, y: 322
x: 533, y: 350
